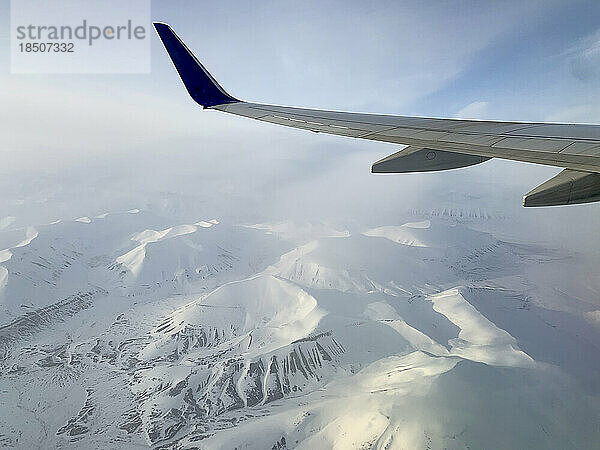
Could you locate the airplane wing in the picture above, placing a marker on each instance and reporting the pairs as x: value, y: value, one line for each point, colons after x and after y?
x: 433, y: 144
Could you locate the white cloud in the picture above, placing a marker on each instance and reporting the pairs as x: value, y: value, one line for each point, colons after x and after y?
x: 585, y: 58
x: 475, y: 110
x: 584, y: 113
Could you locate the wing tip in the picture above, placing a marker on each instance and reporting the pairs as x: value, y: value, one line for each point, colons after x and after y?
x: 158, y: 26
x: 200, y: 84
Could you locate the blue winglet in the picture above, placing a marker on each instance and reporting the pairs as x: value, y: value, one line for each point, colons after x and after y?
x: 202, y: 87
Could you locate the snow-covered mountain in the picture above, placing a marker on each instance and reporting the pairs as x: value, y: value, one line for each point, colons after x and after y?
x: 125, y: 330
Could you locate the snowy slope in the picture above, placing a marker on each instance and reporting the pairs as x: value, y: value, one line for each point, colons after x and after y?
x: 125, y: 330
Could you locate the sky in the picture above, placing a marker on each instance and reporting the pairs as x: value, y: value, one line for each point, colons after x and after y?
x: 81, y: 144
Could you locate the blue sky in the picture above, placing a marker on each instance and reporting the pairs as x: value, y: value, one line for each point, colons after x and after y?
x: 429, y: 58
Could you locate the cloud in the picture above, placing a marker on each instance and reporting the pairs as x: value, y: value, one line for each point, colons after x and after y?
x: 475, y: 110
x: 346, y: 55
x: 583, y: 113
x: 585, y: 58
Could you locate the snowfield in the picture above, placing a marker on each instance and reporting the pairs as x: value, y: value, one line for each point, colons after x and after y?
x: 124, y: 330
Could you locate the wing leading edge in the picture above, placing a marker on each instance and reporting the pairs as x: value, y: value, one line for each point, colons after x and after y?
x: 434, y: 144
